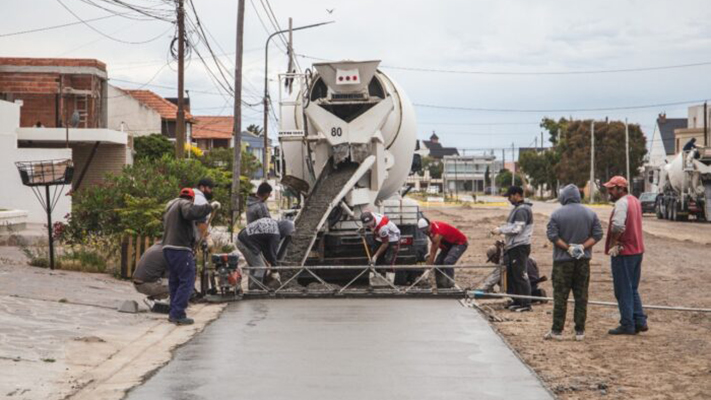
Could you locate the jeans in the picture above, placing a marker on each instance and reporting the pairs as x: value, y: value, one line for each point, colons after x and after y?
x: 517, y: 274
x: 626, y: 273
x: 181, y: 281
x: 253, y: 259
x: 570, y: 275
x: 448, y: 256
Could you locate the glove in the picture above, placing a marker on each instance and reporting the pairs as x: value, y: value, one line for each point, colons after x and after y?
x: 615, y: 251
x: 496, y: 231
x: 577, y: 251
x: 215, y: 205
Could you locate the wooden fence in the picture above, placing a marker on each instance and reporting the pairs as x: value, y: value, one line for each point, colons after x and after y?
x: 132, y: 248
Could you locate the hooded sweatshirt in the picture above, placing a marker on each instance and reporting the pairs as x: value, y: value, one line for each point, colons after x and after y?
x: 573, y: 223
x: 519, y: 226
x: 256, y: 209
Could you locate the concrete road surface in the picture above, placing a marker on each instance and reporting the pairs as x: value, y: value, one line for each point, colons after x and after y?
x: 345, y: 349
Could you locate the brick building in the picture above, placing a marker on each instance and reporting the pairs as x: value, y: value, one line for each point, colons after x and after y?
x: 51, y: 89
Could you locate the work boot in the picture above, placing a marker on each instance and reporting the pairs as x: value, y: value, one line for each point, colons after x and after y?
x: 182, y: 321
x: 579, y: 336
x: 621, y: 330
x: 641, y: 328
x: 524, y: 309
x: 553, y: 335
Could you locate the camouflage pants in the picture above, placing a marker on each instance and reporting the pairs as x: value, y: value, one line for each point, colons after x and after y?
x: 567, y: 276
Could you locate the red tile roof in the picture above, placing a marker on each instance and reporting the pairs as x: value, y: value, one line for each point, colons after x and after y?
x: 212, y: 127
x: 166, y: 109
x: 53, y: 62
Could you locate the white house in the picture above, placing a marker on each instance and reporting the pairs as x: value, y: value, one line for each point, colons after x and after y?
x: 661, y: 148
x: 128, y: 114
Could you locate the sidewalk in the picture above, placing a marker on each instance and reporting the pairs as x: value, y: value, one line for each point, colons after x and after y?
x: 61, y: 336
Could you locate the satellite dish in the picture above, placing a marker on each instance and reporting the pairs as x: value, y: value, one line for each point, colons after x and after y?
x: 74, y: 121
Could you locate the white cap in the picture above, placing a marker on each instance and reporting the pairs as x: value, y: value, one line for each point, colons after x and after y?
x: 422, y: 223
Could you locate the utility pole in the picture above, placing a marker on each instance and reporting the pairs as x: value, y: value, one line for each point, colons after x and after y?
x: 541, y: 140
x: 706, y: 125
x: 237, y: 120
x: 291, y: 47
x: 627, y: 150
x: 592, y: 161
x: 513, y: 166
x: 180, y: 120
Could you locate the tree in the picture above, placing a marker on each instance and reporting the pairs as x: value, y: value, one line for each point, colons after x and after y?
x: 554, y: 128
x: 152, y: 147
x: 256, y: 129
x: 540, y: 167
x: 487, y: 177
x: 503, y: 179
x: 434, y: 166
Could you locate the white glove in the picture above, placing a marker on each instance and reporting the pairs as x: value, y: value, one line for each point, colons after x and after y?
x: 615, y: 251
x: 577, y: 251
x: 215, y: 205
x: 496, y: 231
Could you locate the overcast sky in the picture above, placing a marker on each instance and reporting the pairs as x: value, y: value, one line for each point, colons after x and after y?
x: 468, y: 35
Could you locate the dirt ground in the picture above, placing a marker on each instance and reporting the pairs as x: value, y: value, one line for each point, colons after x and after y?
x: 670, y: 361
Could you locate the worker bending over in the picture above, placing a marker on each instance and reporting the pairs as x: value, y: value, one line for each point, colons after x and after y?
x: 148, y: 278
x: 259, y: 241
x: 452, y: 244
x: 517, y: 247
x: 386, y: 235
x: 178, y: 245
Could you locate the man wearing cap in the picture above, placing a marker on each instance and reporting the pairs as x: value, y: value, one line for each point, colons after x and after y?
x: 517, y: 247
x: 625, y: 245
x: 178, y: 243
x: 452, y: 244
x: 259, y: 241
x: 386, y: 234
x: 573, y: 229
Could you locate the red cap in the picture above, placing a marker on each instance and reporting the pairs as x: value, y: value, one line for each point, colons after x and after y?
x: 616, y: 181
x: 187, y: 193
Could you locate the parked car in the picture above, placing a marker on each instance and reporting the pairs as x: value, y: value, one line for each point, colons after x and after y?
x: 649, y: 201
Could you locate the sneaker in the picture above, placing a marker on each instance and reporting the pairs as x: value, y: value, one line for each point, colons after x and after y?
x: 553, y: 335
x: 579, y: 336
x: 524, y: 309
x: 620, y: 330
x: 641, y: 328
x: 182, y: 321
x: 513, y: 307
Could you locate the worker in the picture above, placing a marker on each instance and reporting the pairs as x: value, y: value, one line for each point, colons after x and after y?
x: 517, y: 247
x: 386, y: 235
x: 259, y: 241
x: 178, y: 243
x: 690, y: 145
x: 148, y: 278
x: 452, y: 244
x: 257, y: 204
x: 494, y: 255
x: 625, y: 245
x: 573, y: 229
x: 203, y: 195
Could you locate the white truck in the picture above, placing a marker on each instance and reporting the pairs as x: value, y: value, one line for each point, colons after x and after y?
x: 685, y: 187
x: 347, y: 136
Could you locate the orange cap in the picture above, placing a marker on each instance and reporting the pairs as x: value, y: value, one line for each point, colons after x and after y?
x: 616, y: 181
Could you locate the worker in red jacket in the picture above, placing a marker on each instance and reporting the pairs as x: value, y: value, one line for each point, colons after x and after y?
x: 451, y: 242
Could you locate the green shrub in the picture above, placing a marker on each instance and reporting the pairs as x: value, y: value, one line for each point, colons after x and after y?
x: 152, y: 147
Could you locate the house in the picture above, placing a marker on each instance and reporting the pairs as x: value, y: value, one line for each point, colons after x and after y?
x: 254, y: 145
x: 49, y: 92
x: 212, y: 131
x: 695, y: 129
x: 167, y: 110
x: 433, y: 148
x: 128, y: 114
x: 468, y: 173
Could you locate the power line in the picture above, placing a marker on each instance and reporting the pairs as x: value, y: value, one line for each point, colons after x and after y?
x: 105, y: 35
x: 582, y: 72
x: 512, y: 110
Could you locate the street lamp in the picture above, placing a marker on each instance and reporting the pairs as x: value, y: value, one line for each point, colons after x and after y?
x: 265, y: 167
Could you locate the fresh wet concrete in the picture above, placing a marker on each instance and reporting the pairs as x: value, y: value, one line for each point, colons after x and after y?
x: 345, y: 349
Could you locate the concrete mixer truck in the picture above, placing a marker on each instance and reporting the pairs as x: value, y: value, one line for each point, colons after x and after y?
x: 685, y: 187
x: 347, y: 138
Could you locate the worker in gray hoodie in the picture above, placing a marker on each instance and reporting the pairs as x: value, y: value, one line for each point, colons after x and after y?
x: 257, y: 204
x: 259, y: 242
x: 573, y: 229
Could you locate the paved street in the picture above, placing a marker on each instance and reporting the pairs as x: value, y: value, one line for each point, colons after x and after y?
x: 345, y: 349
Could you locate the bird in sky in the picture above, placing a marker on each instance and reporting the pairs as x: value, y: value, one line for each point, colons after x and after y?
x: 330, y: 11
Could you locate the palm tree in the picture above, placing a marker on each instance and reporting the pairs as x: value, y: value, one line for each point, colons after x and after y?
x: 256, y: 129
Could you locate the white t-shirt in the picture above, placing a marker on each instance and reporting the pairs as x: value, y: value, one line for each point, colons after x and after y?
x: 389, y: 231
